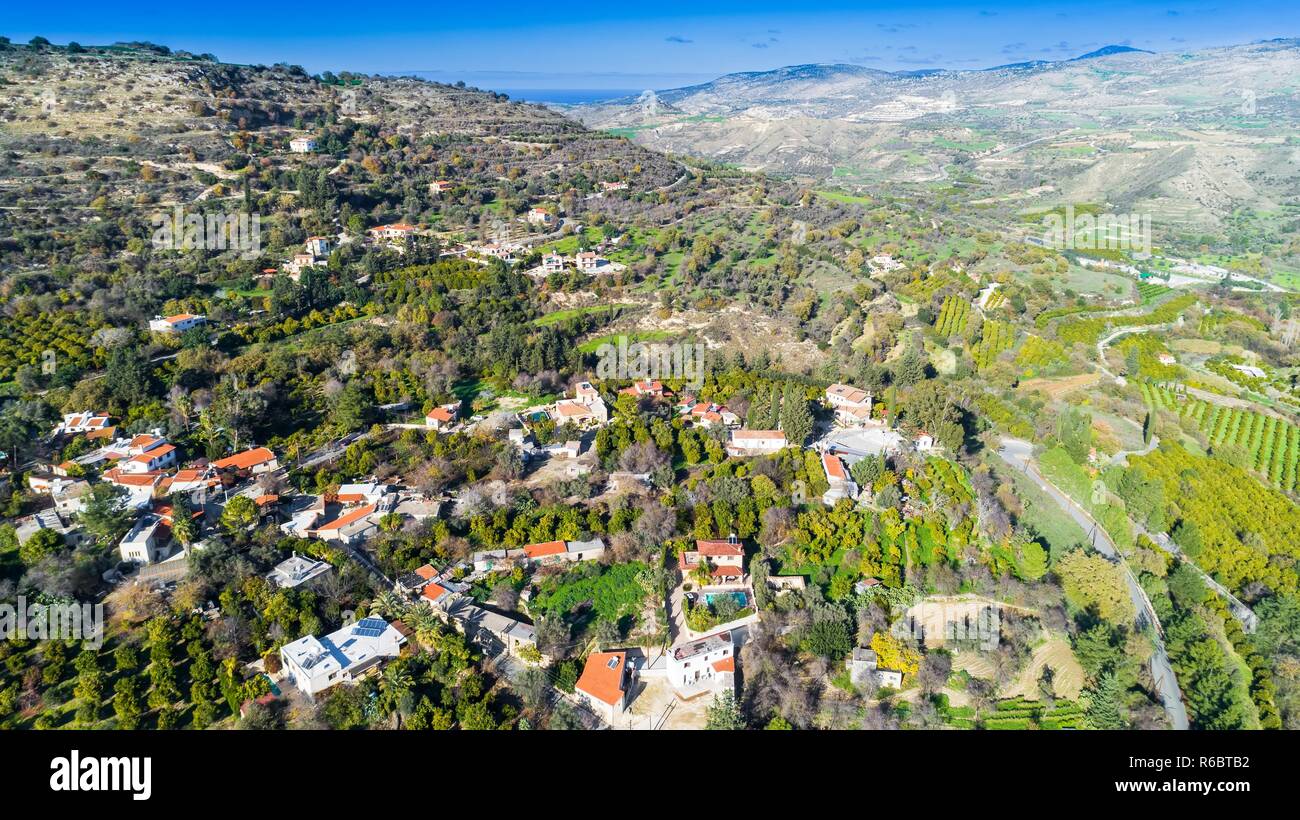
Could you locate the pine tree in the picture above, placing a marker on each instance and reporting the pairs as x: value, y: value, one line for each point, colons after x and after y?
x: 796, y: 419
x: 1106, y: 703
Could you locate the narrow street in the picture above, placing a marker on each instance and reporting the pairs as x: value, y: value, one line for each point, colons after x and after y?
x: 1019, y: 454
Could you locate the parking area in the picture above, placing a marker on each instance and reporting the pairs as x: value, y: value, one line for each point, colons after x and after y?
x: 856, y: 443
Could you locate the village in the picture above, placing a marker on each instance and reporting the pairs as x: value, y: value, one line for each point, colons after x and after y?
x: 156, y: 484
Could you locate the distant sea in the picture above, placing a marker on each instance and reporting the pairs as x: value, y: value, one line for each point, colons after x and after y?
x: 567, y: 96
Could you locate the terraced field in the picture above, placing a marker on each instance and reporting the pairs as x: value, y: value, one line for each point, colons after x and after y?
x: 1272, y: 443
x: 997, y: 337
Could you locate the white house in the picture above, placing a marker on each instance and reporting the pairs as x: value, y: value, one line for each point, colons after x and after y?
x: 863, y: 670
x: 319, y: 245
x: 706, y: 663
x: 755, y: 442
x: 555, y: 551
x: 302, y: 145
x: 852, y: 405
x: 924, y: 442
x: 726, y: 561
x: 443, y: 416
x: 70, y: 496
x: 552, y: 263
x: 255, y: 461
x: 706, y: 414
x: 147, y: 542
x: 179, y: 323
x: 605, y: 684
x: 350, y: 528
x: 841, y: 485
x: 139, y: 486
x: 315, y: 664
x: 297, y: 570
x: 395, y: 232
x: 486, y: 560
x: 84, y: 422
x: 540, y: 216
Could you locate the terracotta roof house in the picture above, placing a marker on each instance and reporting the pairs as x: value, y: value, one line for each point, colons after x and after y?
x: 605, y: 684
x: 256, y: 460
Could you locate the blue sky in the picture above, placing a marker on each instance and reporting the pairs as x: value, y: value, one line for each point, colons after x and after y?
x: 628, y: 45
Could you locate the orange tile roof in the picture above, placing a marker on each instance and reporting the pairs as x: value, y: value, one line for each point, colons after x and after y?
x: 569, y: 409
x: 439, y: 414
x: 180, y: 317
x: 157, y: 452
x: 103, y: 432
x: 601, y: 680
x: 757, y: 434
x: 246, y: 459
x: 427, y: 572
x: 543, y: 549
x: 116, y: 476
x: 726, y: 571
x: 725, y: 665
x: 433, y: 592
x: 269, y: 498
x: 718, y: 548
x: 834, y: 467
x: 344, y: 520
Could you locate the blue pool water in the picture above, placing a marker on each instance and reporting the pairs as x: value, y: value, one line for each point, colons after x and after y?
x: 739, y: 597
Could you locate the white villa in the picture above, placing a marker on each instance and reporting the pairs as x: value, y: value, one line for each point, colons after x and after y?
x: 707, y: 663
x: 315, y: 664
x: 179, y: 323
x: 852, y: 405
x: 586, y: 409
x: 755, y: 442
x: 302, y: 145
x: 297, y: 570
x: 147, y: 542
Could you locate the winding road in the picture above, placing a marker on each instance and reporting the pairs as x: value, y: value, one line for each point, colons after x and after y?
x: 1019, y: 454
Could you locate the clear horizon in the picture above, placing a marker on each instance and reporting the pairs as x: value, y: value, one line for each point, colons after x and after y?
x: 609, y: 46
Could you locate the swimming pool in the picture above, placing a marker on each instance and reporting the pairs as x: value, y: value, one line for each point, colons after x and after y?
x: 738, y: 596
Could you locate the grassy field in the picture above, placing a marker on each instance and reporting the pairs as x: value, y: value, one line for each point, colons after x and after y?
x: 573, y: 313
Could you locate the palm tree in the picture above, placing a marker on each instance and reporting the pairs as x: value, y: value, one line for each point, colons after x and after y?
x: 425, y: 624
x: 395, y: 692
x: 388, y: 604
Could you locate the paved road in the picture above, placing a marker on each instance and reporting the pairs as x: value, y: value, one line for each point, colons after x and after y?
x: 1019, y: 454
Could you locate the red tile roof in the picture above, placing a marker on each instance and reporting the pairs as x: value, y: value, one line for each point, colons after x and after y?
x: 245, y: 460
x: 440, y: 414
x: 725, y: 665
x: 718, y: 548
x: 433, y: 591
x: 544, y: 549
x: 601, y: 680
x: 344, y: 520
x: 834, y: 467
x: 427, y: 572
